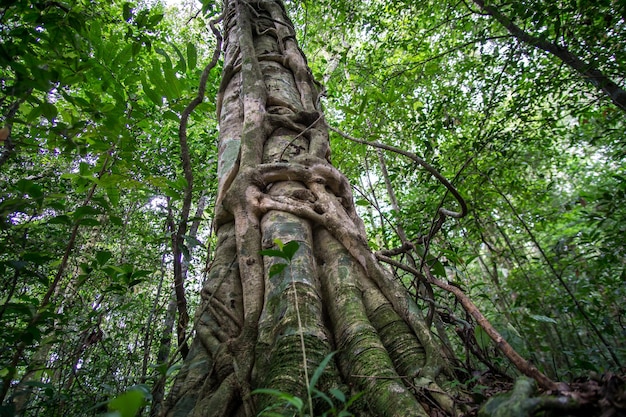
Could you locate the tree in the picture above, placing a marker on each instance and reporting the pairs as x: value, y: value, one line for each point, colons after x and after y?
x: 266, y: 324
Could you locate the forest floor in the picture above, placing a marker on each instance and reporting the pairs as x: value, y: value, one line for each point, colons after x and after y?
x: 589, y: 396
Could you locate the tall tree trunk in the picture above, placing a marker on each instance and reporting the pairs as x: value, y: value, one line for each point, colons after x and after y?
x: 253, y: 328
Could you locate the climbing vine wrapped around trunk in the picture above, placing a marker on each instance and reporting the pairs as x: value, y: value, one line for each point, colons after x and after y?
x: 277, y: 185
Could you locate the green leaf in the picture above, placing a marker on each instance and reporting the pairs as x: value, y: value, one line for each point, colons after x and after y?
x: 182, y: 64
x: 23, y: 309
x: 33, y: 114
x: 134, y: 282
x: 193, y: 242
x: 208, y: 6
x: 513, y: 330
x: 164, y: 54
x: 128, y: 403
x: 31, y: 335
x: 17, y: 265
x: 274, y: 252
x: 95, y: 32
x: 320, y: 394
x: 288, y: 398
x: 114, y: 195
x: 320, y: 369
x: 338, y: 394
x: 102, y: 256
x: 286, y: 251
x: 37, y: 384
x: 192, y: 56
x: 29, y: 187
x: 151, y: 93
x: 170, y: 115
x: 482, y: 338
x: 185, y: 251
x: 276, y: 269
x: 49, y: 111
x: 37, y: 257
x: 543, y: 319
x: 363, y: 103
x: 136, y: 48
x: 172, y: 84
x: 290, y: 249
x: 89, y: 221
x: 437, y: 267
x: 173, y: 369
x: 127, y: 11
x: 85, y: 211
x: 155, y: 19
x: 62, y: 219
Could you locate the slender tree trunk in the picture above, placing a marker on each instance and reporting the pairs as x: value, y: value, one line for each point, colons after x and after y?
x: 158, y: 389
x: 253, y: 329
x: 163, y: 354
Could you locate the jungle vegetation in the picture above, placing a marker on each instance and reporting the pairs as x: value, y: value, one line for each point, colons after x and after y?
x: 156, y: 260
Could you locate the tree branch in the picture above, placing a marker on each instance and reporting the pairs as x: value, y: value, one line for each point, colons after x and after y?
x: 584, y: 69
x: 520, y: 363
x: 177, y: 238
x: 421, y: 162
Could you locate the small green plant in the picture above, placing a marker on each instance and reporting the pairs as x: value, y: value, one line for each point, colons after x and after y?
x: 285, y: 251
x: 341, y: 408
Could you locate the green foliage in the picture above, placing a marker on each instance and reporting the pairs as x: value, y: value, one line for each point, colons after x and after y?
x: 129, y: 402
x: 284, y: 251
x: 92, y: 94
x: 523, y: 138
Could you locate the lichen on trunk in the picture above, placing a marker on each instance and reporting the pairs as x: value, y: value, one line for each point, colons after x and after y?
x: 277, y: 184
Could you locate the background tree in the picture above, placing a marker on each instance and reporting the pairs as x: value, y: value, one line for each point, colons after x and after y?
x: 84, y: 197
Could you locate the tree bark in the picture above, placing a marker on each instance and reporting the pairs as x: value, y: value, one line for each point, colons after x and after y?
x: 276, y: 184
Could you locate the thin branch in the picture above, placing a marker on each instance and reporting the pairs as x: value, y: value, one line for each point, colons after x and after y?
x: 177, y: 238
x: 421, y: 162
x: 309, y: 127
x: 585, y: 69
x: 557, y: 275
x: 520, y: 363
